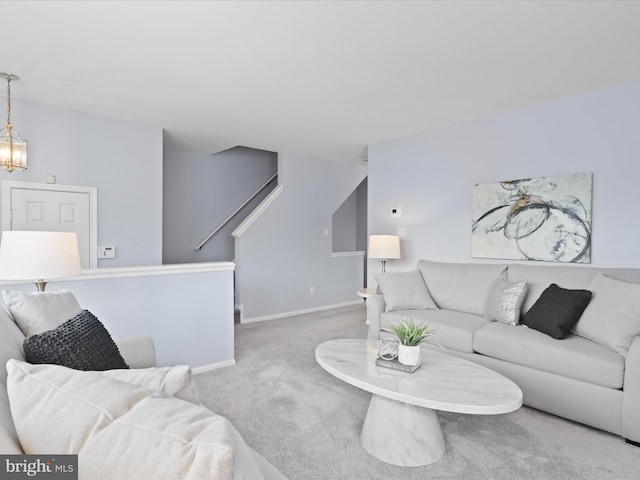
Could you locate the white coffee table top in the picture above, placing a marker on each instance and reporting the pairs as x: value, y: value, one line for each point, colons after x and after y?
x: 443, y: 382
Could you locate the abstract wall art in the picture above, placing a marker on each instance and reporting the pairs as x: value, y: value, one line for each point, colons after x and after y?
x: 544, y: 219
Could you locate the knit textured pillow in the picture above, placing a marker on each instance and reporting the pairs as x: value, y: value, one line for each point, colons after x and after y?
x: 557, y: 310
x: 81, y: 343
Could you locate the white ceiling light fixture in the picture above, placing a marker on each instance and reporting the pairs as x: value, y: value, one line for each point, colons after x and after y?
x: 13, y: 150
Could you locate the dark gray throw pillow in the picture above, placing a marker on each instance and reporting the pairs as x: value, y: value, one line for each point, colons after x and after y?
x: 557, y: 310
x: 81, y: 343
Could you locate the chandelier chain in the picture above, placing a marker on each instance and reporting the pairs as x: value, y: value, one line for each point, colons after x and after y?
x: 8, y: 101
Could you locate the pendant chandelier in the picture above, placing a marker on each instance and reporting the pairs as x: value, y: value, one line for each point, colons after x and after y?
x: 13, y: 150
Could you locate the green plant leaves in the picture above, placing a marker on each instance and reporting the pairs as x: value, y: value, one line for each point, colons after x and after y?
x: 409, y: 333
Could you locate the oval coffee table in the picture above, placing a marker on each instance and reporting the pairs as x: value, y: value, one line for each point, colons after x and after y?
x: 401, y: 426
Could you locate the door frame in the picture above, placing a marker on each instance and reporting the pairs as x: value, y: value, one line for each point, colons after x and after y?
x: 8, y: 185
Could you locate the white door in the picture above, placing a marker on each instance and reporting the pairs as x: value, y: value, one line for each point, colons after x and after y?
x: 52, y: 209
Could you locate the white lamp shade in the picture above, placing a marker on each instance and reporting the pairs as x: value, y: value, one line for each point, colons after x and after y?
x: 38, y: 255
x: 384, y: 246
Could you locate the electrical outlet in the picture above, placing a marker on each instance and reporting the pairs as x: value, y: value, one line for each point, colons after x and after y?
x: 107, y: 252
x: 312, y: 289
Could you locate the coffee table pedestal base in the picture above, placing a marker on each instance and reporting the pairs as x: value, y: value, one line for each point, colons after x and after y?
x: 402, y: 434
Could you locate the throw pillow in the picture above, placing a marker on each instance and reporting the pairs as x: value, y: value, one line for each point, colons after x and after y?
x: 37, y: 312
x: 81, y: 343
x: 612, y: 319
x: 404, y: 291
x: 505, y: 300
x: 557, y: 310
x: 176, y: 381
x: 118, y: 430
x: 9, y: 444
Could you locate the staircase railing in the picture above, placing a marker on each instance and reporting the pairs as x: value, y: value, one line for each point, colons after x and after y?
x: 235, y: 212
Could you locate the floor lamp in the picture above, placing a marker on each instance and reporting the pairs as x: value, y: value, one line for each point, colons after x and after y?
x: 384, y: 247
x: 39, y: 256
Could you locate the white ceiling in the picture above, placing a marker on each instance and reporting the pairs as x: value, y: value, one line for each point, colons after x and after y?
x: 320, y: 78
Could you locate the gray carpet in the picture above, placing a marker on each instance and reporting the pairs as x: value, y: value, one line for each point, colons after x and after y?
x: 307, y: 422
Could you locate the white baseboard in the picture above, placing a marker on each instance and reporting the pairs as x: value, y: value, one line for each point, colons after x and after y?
x: 240, y: 308
x: 213, y: 366
x: 299, y: 312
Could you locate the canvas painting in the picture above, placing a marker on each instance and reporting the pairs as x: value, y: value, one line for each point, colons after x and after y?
x: 544, y: 219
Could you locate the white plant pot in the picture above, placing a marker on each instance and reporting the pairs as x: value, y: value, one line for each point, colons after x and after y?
x: 409, y: 355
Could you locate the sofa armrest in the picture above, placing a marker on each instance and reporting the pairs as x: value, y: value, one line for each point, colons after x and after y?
x: 631, y: 399
x: 375, y: 308
x: 138, y: 352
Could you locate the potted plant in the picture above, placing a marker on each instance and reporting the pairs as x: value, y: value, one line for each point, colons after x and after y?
x: 410, y: 336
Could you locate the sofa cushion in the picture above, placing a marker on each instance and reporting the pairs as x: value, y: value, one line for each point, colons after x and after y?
x: 9, y: 443
x: 613, y: 316
x: 38, y: 312
x: 452, y: 329
x: 404, y: 291
x: 504, y: 303
x: 176, y: 381
x: 540, y: 277
x: 118, y: 430
x: 11, y: 338
x: 81, y: 343
x: 463, y: 287
x: 557, y: 310
x: 573, y: 357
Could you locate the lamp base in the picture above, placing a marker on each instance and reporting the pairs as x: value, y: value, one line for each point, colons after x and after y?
x: 41, y: 284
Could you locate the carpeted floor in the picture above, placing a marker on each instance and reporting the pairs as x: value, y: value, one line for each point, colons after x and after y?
x: 307, y: 422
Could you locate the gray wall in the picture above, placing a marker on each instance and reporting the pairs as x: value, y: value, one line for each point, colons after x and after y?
x: 343, y: 225
x: 431, y: 174
x: 349, y: 222
x: 362, y: 193
x: 284, y: 252
x: 122, y: 159
x: 200, y: 191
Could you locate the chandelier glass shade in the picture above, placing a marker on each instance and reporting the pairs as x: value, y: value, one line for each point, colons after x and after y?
x: 13, y: 150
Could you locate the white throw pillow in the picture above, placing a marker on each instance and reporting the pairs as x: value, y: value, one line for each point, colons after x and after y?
x: 462, y: 287
x: 176, y: 381
x: 9, y: 444
x: 118, y: 430
x: 504, y: 302
x: 404, y: 291
x: 37, y: 312
x: 612, y: 318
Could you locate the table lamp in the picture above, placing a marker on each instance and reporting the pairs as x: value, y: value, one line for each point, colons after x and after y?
x: 384, y: 247
x: 39, y: 256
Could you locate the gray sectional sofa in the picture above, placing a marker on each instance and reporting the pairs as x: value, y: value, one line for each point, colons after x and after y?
x: 591, y: 376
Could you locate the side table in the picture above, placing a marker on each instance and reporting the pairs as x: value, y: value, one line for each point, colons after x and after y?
x: 367, y: 292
